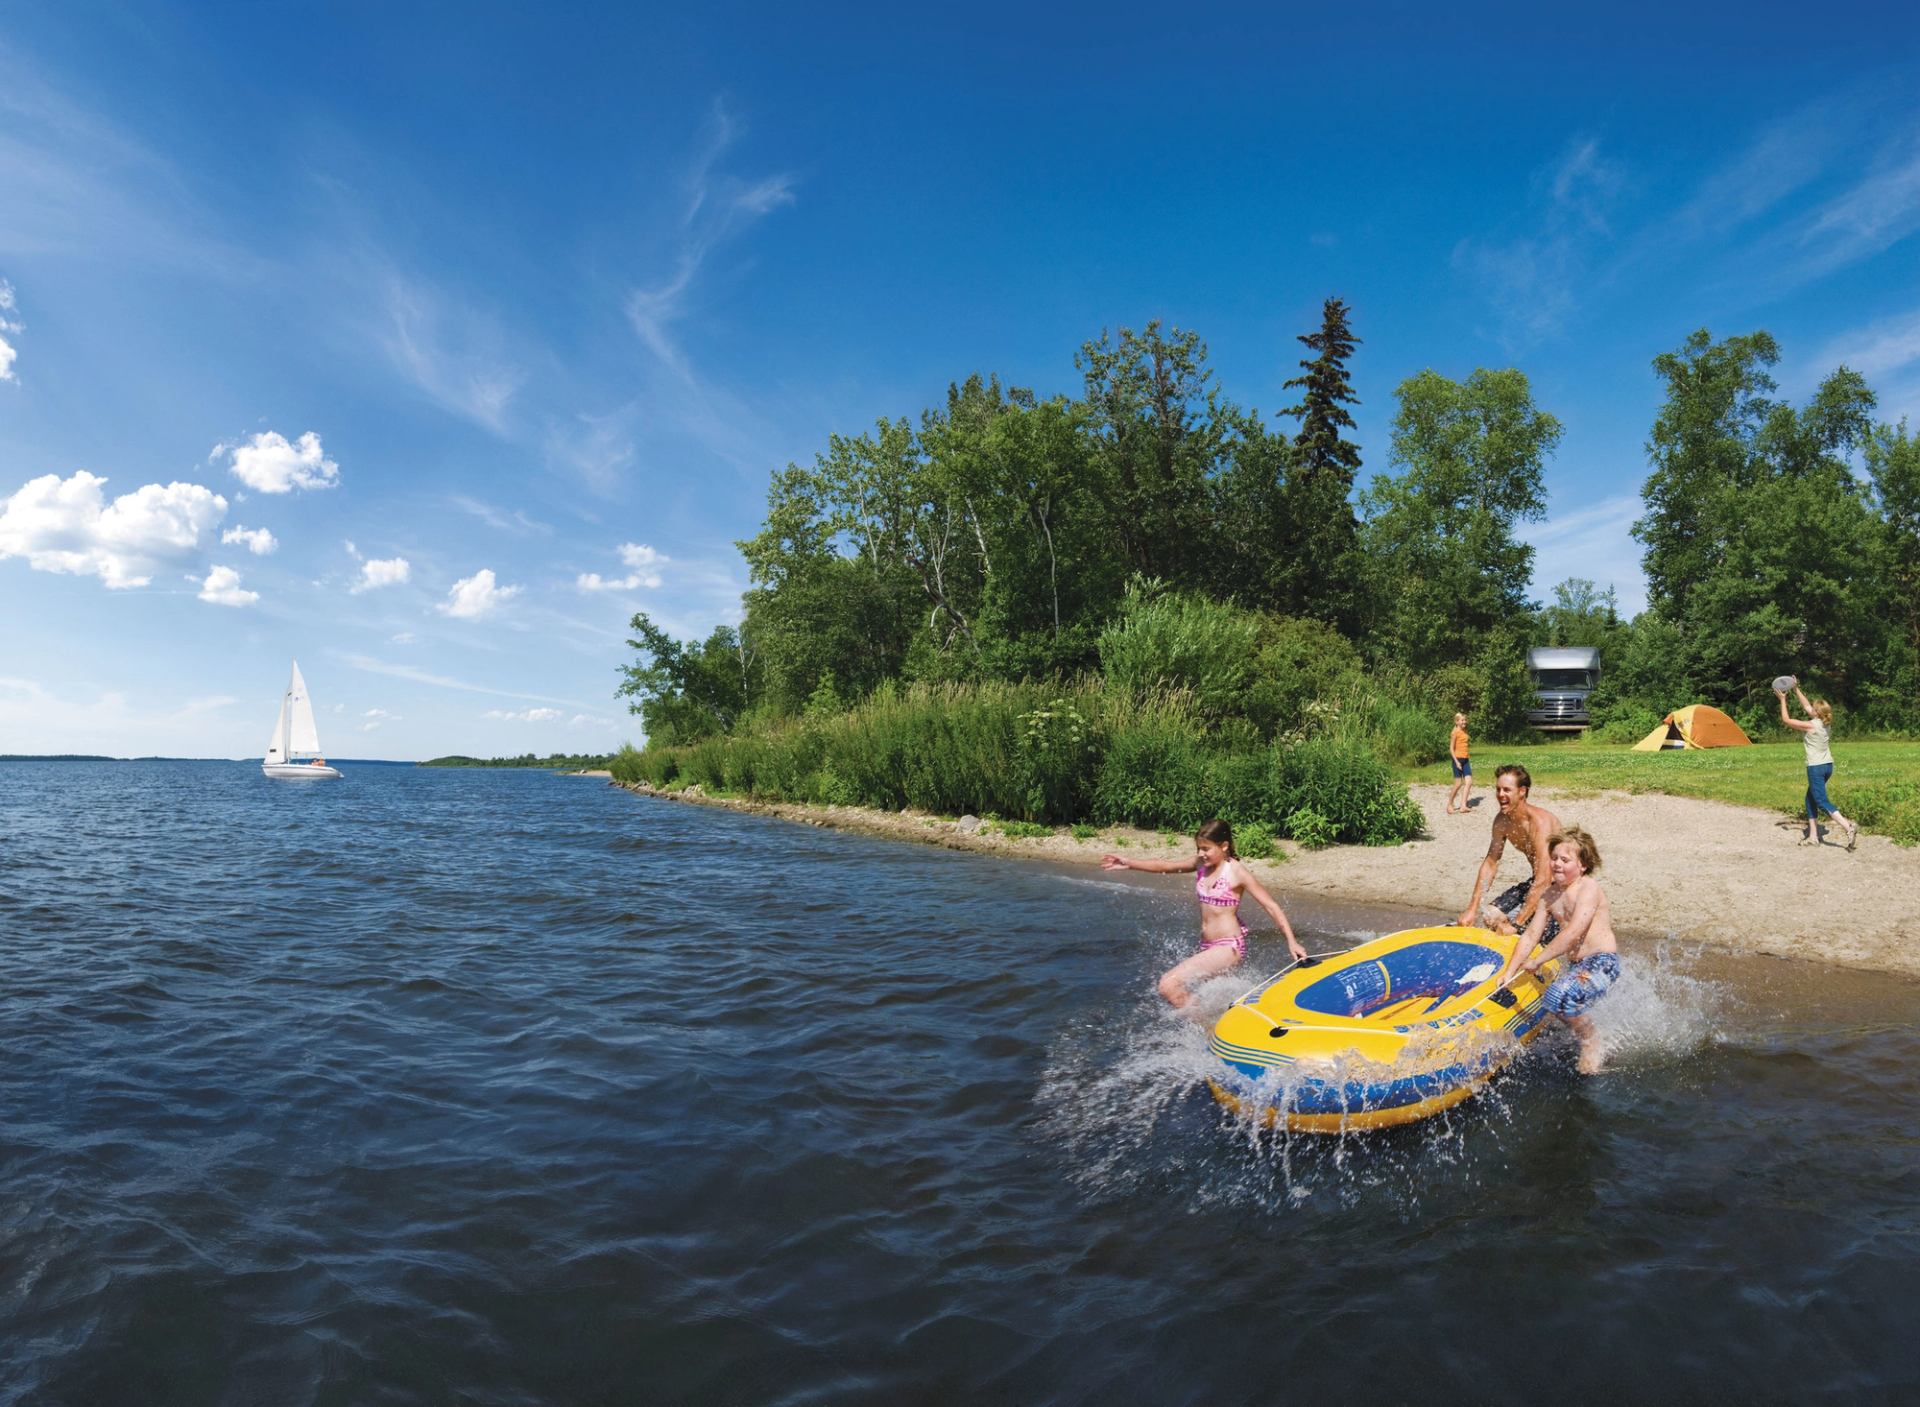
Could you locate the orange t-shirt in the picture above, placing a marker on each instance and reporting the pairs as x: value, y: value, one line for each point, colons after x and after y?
x: 1460, y: 742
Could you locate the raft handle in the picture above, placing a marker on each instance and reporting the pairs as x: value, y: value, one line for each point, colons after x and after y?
x: 1308, y: 962
x: 1503, y: 997
x: 1278, y: 1031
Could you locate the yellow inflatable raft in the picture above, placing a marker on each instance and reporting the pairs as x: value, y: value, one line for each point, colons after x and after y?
x: 1390, y: 1032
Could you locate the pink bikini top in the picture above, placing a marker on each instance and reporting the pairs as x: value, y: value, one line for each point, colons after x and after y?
x: 1213, y: 888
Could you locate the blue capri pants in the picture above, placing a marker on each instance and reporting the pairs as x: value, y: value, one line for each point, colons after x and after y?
x: 1817, y: 789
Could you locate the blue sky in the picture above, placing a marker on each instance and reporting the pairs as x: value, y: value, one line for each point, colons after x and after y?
x: 428, y: 343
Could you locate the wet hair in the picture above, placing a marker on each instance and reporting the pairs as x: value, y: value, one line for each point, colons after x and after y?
x: 1581, y: 841
x: 1220, y: 833
x: 1825, y: 710
x: 1518, y: 773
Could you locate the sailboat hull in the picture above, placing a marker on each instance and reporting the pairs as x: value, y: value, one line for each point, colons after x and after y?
x: 299, y: 771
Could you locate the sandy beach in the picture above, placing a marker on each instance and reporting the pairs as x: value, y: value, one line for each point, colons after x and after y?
x: 1731, y: 877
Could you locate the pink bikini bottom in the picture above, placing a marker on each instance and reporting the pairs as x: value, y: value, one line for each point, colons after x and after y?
x: 1238, y: 942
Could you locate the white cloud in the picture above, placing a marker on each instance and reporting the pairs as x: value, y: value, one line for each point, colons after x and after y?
x: 405, y: 637
x: 453, y: 353
x: 1595, y: 542
x: 643, y: 569
x: 258, y: 541
x: 377, y: 572
x: 588, y: 720
x: 222, y: 588
x: 9, y: 325
x: 271, y: 465
x: 66, y: 525
x: 473, y: 597
x: 525, y: 715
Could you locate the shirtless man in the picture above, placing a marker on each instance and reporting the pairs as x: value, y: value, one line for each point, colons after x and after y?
x: 1576, y: 899
x: 1524, y: 826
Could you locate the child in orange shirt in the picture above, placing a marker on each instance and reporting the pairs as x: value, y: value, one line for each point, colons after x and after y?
x: 1462, y: 769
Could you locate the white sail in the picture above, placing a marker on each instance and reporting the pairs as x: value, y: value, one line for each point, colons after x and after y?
x: 303, y: 739
x: 277, y: 745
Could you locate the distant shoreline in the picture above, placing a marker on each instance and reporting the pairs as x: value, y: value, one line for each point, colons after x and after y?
x: 1727, y: 877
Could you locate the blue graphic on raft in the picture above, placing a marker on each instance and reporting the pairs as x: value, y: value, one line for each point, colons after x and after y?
x: 1423, y: 970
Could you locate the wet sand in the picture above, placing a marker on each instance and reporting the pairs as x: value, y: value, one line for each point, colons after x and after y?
x: 1728, y: 877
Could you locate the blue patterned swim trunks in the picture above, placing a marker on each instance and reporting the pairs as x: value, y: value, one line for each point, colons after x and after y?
x: 1575, y: 991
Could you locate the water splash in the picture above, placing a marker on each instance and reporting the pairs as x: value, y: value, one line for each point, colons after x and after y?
x: 1125, y: 1099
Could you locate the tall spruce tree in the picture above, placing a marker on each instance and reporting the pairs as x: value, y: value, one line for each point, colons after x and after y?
x: 1326, y: 576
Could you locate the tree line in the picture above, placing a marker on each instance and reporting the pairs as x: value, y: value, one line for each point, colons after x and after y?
x: 1004, y: 536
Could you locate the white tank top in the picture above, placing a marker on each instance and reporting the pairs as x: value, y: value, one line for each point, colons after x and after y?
x: 1816, y: 741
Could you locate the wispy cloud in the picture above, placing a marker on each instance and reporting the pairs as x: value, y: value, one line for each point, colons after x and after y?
x: 452, y: 351
x: 76, y: 183
x: 525, y: 715
x: 1874, y: 214
x: 1887, y: 345
x: 1532, y: 280
x: 371, y: 665
x: 718, y: 206
x: 504, y: 519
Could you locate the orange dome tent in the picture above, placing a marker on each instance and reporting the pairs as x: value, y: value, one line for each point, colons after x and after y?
x: 1696, y: 725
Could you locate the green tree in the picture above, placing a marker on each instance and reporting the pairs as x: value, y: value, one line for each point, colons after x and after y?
x: 684, y: 692
x: 1162, y: 434
x: 1326, y: 574
x: 1441, y: 533
x: 1893, y: 461
x: 1762, y: 547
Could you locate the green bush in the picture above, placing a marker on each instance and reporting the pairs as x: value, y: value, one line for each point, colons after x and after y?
x: 1024, y: 830
x: 1891, y: 809
x: 1083, y: 831
x: 1349, y: 788
x: 1311, y: 829
x: 1253, y: 840
x: 1171, y: 639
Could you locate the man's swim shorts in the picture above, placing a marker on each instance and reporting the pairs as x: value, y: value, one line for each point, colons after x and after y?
x: 1509, y: 902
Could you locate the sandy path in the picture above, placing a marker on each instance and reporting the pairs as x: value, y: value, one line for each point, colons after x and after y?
x: 1728, y: 876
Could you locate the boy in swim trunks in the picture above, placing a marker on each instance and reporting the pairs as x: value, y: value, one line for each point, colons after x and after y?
x: 1586, y: 937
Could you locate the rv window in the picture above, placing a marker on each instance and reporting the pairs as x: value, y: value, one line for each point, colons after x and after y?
x: 1562, y: 679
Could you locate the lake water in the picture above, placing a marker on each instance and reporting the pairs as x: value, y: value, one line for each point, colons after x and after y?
x: 501, y: 1087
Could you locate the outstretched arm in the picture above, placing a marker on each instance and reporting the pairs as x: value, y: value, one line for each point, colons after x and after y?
x: 1121, y: 862
x: 1259, y: 895
x: 1523, y: 945
x: 1790, y: 721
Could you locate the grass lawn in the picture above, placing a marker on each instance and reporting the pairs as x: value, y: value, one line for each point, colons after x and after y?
x: 1868, y: 777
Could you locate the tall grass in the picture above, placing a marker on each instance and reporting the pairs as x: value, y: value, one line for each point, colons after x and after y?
x: 1048, y: 753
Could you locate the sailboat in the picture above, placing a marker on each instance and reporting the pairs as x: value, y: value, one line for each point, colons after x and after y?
x: 294, y: 736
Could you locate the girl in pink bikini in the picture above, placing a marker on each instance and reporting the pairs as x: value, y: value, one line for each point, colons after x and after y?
x: 1221, y: 881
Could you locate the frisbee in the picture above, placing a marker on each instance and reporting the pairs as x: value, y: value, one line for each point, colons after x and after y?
x: 1784, y: 683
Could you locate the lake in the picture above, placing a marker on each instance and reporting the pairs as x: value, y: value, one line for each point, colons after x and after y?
x: 504, y: 1087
